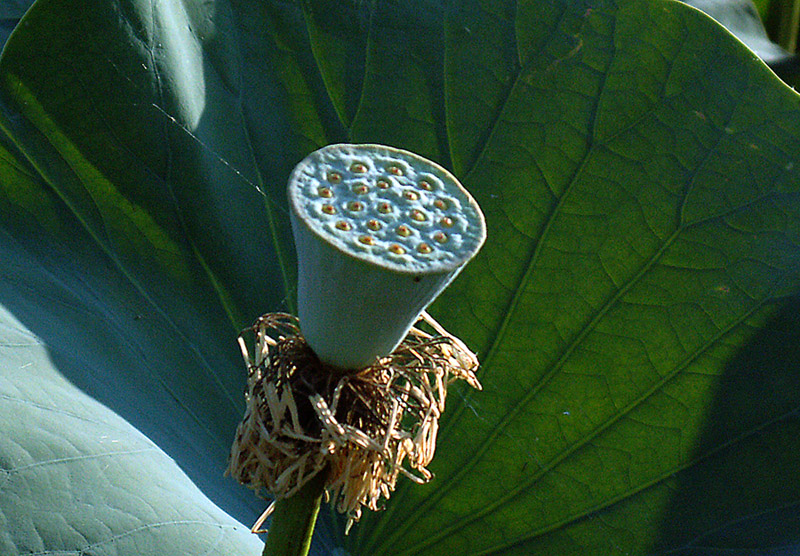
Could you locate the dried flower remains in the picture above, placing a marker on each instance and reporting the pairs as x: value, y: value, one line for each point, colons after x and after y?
x: 363, y: 428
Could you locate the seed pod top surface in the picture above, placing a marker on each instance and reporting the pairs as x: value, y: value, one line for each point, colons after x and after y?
x: 388, y: 207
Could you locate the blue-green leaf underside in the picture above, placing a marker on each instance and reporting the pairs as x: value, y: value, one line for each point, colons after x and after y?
x: 635, y: 306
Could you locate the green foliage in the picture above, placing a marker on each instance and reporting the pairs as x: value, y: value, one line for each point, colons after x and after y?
x: 635, y: 306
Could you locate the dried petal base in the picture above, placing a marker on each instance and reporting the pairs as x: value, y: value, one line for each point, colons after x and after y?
x: 362, y: 428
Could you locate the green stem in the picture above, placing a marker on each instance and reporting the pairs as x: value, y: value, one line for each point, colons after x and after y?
x: 293, y: 520
x: 784, y: 18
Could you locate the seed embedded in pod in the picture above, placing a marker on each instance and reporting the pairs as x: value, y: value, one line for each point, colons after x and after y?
x: 440, y: 204
x: 383, y: 184
x: 374, y: 225
x: 403, y: 230
x: 395, y: 170
x: 418, y: 215
x: 397, y: 249
x: 440, y: 237
x: 367, y: 240
x: 360, y: 189
x: 355, y: 206
x: 325, y: 192
x: 344, y: 226
x: 328, y: 209
x: 447, y: 222
x: 426, y: 185
x: 384, y: 208
x: 424, y: 248
x: 358, y: 168
x: 410, y: 195
x: 334, y: 177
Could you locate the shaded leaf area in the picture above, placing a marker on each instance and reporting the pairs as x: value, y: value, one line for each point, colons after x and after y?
x: 74, y: 476
x: 167, y: 162
x: 749, y: 453
x: 10, y: 14
x: 77, y: 339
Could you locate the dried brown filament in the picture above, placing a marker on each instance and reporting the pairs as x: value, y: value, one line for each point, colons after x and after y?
x: 366, y: 427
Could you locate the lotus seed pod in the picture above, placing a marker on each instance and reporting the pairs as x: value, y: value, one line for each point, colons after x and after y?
x: 380, y: 232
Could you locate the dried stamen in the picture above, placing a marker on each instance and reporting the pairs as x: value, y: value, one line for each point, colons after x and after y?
x: 363, y: 428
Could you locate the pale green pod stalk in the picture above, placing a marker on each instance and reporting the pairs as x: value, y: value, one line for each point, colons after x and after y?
x: 380, y: 232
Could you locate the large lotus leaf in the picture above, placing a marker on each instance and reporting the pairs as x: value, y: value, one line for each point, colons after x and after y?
x: 635, y: 306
